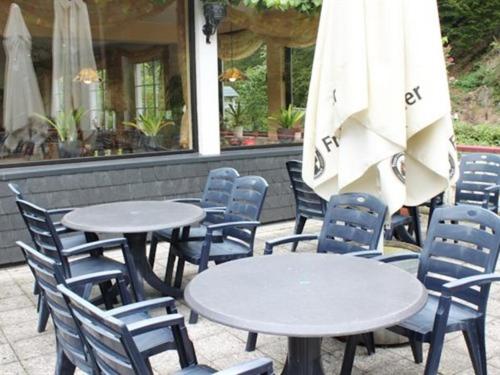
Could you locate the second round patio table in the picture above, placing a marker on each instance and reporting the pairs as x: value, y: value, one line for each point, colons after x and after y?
x: 135, y: 219
x: 306, y: 297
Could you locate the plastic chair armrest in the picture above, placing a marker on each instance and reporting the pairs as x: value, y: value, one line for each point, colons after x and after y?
x: 466, y: 282
x: 186, y: 200
x: 257, y: 366
x: 290, y: 239
x: 397, y: 257
x: 148, y: 325
x: 103, y: 244
x: 248, y: 224
x: 60, y: 211
x: 492, y: 188
x: 365, y: 253
x: 144, y: 306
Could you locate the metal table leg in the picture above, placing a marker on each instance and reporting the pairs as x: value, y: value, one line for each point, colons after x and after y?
x: 137, y: 244
x: 304, y: 357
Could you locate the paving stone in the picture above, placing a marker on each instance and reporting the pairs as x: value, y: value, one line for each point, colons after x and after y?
x: 13, y: 317
x: 44, y: 364
x: 22, y: 331
x: 35, y: 347
x: 13, y: 303
x: 13, y: 368
x: 7, y: 354
x: 219, y: 345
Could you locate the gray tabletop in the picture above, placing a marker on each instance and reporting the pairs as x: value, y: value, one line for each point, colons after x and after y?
x: 133, y: 217
x: 306, y: 295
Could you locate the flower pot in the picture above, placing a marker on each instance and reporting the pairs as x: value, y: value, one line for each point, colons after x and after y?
x: 238, y: 131
x: 249, y: 141
x: 151, y: 142
x: 286, y: 135
x: 68, y: 149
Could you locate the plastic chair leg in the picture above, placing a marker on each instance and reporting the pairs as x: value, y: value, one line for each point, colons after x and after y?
x: 369, y: 341
x: 417, y: 350
x: 472, y: 340
x: 179, y: 273
x: 349, y: 354
x: 63, y: 365
x: 193, y: 317
x: 43, y: 315
x: 435, y: 350
x: 300, y: 222
x: 169, y: 271
x: 251, y: 342
x: 152, y: 250
x: 482, y: 344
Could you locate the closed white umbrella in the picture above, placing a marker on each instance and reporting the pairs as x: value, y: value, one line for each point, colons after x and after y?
x: 378, y: 96
x: 73, y: 56
x: 22, y: 97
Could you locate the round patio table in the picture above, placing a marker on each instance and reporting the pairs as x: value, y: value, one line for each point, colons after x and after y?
x: 306, y: 297
x: 135, y: 219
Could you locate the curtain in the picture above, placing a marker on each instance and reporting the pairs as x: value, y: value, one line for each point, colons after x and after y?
x: 113, y: 12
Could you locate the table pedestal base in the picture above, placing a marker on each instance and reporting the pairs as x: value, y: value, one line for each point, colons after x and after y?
x: 304, y: 357
x: 137, y: 244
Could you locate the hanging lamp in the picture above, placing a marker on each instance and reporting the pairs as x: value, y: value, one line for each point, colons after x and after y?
x: 232, y: 74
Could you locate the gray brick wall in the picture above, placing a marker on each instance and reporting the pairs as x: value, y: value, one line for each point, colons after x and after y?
x: 81, y: 184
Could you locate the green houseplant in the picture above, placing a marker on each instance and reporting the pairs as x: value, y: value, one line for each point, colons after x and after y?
x: 150, y: 126
x: 288, y: 120
x: 236, y: 112
x: 66, y: 126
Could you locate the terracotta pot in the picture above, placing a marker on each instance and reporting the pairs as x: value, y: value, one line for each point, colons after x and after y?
x: 286, y: 135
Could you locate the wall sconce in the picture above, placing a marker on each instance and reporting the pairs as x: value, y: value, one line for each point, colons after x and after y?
x: 214, y: 14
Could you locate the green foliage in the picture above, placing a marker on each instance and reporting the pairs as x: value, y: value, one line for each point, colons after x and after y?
x: 306, y: 6
x: 288, y: 117
x: 471, y: 25
x: 302, y: 61
x: 486, y: 72
x: 65, y: 124
x: 150, y: 124
x: 253, y: 91
x: 484, y: 134
x: 235, y: 114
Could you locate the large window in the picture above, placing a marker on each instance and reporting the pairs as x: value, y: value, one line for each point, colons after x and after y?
x: 264, y: 83
x: 111, y: 80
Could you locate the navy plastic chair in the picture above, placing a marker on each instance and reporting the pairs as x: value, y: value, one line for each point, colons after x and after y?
x: 353, y: 225
x: 308, y: 205
x: 238, y: 228
x: 76, y: 259
x: 456, y: 266
x: 113, y: 341
x: 215, y: 195
x: 479, y: 181
x: 71, y: 348
x: 405, y: 228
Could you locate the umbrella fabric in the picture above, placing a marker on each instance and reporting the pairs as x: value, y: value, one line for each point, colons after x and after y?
x: 22, y: 97
x: 378, y: 113
x: 72, y: 52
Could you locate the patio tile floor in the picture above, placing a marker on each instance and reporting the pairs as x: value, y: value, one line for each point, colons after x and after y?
x: 24, y: 351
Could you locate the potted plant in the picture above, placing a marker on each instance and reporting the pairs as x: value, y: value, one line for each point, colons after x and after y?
x: 66, y: 126
x: 288, y: 120
x: 236, y: 112
x: 150, y: 125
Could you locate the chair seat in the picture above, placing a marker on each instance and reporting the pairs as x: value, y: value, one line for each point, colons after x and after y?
x: 423, y: 321
x: 195, y: 234
x: 73, y: 239
x: 219, y: 252
x: 196, y: 370
x: 93, y: 264
x: 154, y: 342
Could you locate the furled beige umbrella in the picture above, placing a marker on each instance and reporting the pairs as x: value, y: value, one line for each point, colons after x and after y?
x: 378, y: 116
x: 22, y: 98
